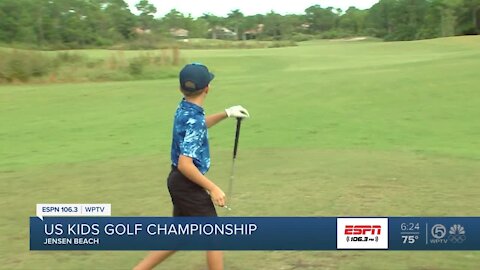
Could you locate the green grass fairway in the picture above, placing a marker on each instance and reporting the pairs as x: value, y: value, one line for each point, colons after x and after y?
x: 337, y: 129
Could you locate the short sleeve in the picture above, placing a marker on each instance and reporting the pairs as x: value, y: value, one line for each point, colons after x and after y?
x: 192, y: 142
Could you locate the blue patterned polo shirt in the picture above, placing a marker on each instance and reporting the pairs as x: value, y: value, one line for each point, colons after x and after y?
x: 190, y: 137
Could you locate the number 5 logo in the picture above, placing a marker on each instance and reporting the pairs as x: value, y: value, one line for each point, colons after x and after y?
x: 438, y: 231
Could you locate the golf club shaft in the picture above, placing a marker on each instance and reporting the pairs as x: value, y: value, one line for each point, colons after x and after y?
x: 235, y: 148
x: 230, y: 183
x: 237, y: 136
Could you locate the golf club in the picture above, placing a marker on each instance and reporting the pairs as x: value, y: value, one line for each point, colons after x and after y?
x: 235, y: 148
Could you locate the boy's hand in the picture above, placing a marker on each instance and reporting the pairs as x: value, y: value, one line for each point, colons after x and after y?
x: 237, y: 112
x: 218, y: 196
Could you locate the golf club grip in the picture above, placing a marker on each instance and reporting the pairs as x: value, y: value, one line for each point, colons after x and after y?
x: 237, y: 136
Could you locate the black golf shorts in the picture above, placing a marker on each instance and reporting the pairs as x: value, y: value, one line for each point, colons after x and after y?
x: 188, y: 198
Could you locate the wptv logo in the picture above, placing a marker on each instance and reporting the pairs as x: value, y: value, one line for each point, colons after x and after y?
x: 362, y: 233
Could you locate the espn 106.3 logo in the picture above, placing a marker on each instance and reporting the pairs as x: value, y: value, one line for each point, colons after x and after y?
x: 362, y: 233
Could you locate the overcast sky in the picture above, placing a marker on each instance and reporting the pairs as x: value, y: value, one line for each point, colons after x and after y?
x: 248, y: 7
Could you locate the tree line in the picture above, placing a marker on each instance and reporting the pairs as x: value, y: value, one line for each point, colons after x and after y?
x: 103, y: 23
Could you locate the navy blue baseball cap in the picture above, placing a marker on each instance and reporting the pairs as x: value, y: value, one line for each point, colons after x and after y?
x: 194, y: 77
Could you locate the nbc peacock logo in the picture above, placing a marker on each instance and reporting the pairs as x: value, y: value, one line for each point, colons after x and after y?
x: 457, y: 234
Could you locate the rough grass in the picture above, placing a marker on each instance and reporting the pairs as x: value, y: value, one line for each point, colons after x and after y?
x: 337, y: 129
x: 23, y: 66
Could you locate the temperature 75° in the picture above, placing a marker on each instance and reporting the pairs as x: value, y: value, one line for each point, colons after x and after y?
x: 409, y: 239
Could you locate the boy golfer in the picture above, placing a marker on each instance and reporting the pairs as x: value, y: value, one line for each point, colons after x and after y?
x: 193, y: 194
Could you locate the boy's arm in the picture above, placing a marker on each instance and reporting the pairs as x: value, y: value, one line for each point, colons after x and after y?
x: 213, y: 119
x: 187, y: 168
x: 235, y: 111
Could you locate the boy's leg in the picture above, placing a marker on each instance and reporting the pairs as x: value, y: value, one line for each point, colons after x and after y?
x: 215, y: 260
x: 153, y: 258
x: 190, y: 200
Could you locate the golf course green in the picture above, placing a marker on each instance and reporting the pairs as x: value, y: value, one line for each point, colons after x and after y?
x: 337, y: 129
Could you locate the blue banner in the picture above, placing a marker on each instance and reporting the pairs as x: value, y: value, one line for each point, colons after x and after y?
x: 429, y: 233
x: 255, y: 233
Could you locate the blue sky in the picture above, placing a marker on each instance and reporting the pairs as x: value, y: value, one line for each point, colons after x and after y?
x: 248, y: 7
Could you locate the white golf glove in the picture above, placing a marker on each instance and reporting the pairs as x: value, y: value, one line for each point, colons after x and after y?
x: 237, y: 112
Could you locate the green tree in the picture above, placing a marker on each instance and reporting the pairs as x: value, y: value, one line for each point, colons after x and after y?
x: 235, y: 20
x: 469, y: 16
x: 380, y: 18
x: 119, y: 17
x: 16, y: 22
x: 81, y: 23
x: 398, y: 19
x: 198, y: 28
x: 321, y: 19
x: 147, y: 12
x: 174, y: 19
x: 353, y: 20
x: 273, y: 25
